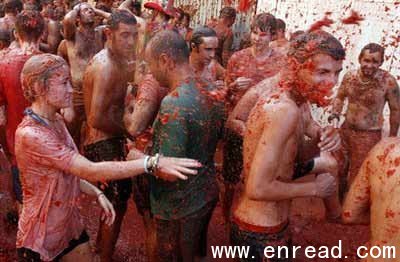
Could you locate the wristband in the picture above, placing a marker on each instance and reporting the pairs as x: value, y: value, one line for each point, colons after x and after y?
x: 145, y: 164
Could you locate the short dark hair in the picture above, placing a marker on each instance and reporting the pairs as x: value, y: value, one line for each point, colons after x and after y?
x: 309, y: 44
x: 227, y: 11
x: 265, y: 22
x: 199, y: 33
x: 373, y: 48
x: 29, y: 25
x: 121, y: 16
x: 171, y: 43
x: 13, y: 6
x: 280, y: 24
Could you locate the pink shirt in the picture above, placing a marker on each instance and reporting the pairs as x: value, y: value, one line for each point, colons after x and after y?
x: 50, y: 216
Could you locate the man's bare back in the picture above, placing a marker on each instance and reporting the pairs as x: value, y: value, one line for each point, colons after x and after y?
x: 374, y: 195
x: 263, y: 125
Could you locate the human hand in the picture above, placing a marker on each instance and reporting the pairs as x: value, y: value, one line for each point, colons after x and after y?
x: 108, y: 212
x: 325, y: 185
x: 243, y: 82
x: 171, y: 168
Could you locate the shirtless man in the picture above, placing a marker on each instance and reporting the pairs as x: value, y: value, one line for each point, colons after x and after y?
x: 203, y: 46
x: 11, y: 9
x: 189, y: 123
x: 77, y: 49
x: 223, y: 27
x: 274, y: 133
x: 105, y: 82
x: 373, y: 197
x: 280, y: 42
x: 367, y: 90
x: 245, y: 69
x: 52, y: 34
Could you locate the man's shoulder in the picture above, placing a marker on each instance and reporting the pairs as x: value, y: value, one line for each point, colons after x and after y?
x: 100, y: 62
x: 238, y: 55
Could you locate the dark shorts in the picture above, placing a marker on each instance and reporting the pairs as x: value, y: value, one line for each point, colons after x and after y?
x: 233, y: 157
x: 141, y: 193
x: 257, y: 241
x: 112, y: 149
x: 183, y: 239
x: 27, y: 255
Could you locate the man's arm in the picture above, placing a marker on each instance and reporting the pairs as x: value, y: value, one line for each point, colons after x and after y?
x: 393, y: 98
x: 227, y: 48
x: 238, y: 118
x: 356, y: 204
x: 69, y: 23
x: 145, y: 106
x: 262, y: 183
x: 340, y: 97
x: 62, y: 50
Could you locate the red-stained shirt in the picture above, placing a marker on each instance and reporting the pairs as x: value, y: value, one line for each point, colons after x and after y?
x: 50, y: 215
x: 244, y: 64
x: 11, y: 94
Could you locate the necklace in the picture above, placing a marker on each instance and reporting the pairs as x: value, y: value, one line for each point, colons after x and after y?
x: 361, y: 80
x: 38, y: 118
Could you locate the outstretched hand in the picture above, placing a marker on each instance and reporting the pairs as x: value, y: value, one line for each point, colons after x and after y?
x: 171, y: 168
x: 108, y: 212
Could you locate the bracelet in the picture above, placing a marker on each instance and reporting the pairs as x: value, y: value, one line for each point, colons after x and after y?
x: 145, y: 164
x: 99, y: 194
x: 333, y: 116
x: 154, y: 163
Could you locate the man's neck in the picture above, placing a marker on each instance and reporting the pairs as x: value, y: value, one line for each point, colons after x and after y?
x: 261, y: 53
x: 182, y: 74
x: 86, y: 28
x: 197, y: 65
x: 29, y: 46
x: 364, y: 78
x: 10, y: 15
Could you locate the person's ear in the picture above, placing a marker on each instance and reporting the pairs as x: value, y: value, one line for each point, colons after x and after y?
x: 107, y: 32
x: 39, y: 87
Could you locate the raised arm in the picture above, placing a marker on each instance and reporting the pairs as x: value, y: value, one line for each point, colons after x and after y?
x: 338, y: 102
x: 393, y: 98
x: 69, y: 23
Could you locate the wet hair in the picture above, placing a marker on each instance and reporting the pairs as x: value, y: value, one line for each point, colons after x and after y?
x: 199, y: 33
x: 39, y: 68
x: 280, y: 24
x: 187, y: 15
x: 120, y: 16
x: 12, y: 6
x: 373, y: 48
x: 228, y: 12
x: 296, y: 34
x: 265, y: 22
x: 45, y: 2
x: 29, y: 25
x: 137, y: 6
x: 171, y: 43
x: 309, y: 44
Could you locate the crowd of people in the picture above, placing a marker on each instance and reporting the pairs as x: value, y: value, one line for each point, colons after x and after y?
x: 116, y: 103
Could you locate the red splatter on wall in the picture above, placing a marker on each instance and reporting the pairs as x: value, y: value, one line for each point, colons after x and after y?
x: 354, y: 18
